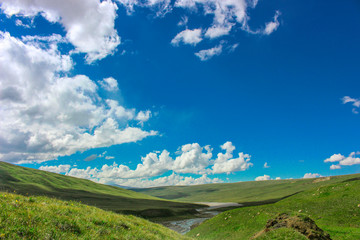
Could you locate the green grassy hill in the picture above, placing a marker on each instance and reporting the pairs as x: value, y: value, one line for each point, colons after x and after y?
x: 27, y: 181
x: 250, y: 193
x: 24, y: 217
x: 335, y: 208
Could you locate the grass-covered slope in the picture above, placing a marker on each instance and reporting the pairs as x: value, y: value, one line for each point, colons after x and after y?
x: 27, y: 181
x: 335, y: 208
x: 24, y: 217
x: 255, y: 192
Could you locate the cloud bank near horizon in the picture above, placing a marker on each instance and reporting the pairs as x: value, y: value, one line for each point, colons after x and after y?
x: 189, y: 159
x: 339, y: 161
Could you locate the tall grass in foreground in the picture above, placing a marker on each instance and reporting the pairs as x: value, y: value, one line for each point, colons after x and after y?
x: 23, y: 217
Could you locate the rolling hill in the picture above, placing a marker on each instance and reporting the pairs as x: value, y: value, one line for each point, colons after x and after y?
x: 41, y: 217
x: 248, y: 193
x: 27, y: 181
x: 334, y: 208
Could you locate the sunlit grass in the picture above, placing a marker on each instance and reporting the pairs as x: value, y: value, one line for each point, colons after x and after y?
x: 24, y: 217
x: 35, y: 182
x: 334, y: 208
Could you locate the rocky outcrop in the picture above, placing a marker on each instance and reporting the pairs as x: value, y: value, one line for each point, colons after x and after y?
x: 302, y: 224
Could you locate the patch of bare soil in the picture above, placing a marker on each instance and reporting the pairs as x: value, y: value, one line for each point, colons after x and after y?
x: 321, y: 179
x: 302, y: 224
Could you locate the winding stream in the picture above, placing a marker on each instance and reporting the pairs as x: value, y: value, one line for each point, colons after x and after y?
x: 184, y: 226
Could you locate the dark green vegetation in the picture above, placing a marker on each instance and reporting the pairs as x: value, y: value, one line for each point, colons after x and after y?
x: 322, y: 206
x: 24, y: 217
x: 27, y: 181
x: 248, y: 193
x: 334, y: 206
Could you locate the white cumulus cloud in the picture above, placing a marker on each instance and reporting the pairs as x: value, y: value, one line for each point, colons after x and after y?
x: 188, y: 36
x: 56, y: 169
x: 190, y: 159
x: 109, y: 84
x: 335, y: 158
x: 46, y: 114
x: 225, y: 14
x: 89, y: 24
x: 225, y: 163
x: 333, y: 167
x: 312, y: 175
x: 341, y: 160
x: 218, y: 31
x: 263, y: 178
x: 143, y: 116
x: 172, y: 180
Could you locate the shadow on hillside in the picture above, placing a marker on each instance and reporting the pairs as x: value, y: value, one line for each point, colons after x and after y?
x: 268, y: 201
x: 145, y: 208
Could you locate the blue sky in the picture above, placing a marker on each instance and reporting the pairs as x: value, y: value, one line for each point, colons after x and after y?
x: 149, y: 93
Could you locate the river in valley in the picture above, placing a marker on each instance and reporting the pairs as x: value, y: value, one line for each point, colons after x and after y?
x: 184, y: 226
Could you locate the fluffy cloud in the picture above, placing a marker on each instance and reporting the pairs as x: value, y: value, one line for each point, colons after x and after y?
x: 89, y: 24
x: 190, y: 159
x: 109, y: 84
x: 355, y: 102
x: 45, y: 113
x: 263, y: 178
x: 270, y: 27
x: 333, y: 167
x: 207, y: 54
x: 143, y: 116
x: 56, y: 169
x: 311, y: 175
x: 173, y: 179
x: 266, y: 178
x: 187, y: 36
x: 266, y: 165
x: 218, y: 31
x: 225, y: 163
x: 225, y: 14
x: 341, y: 160
x: 335, y: 158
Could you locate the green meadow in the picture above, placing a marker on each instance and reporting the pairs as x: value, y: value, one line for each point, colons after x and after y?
x: 34, y: 182
x: 335, y: 208
x: 23, y: 217
x: 248, y: 193
x: 42, y: 205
